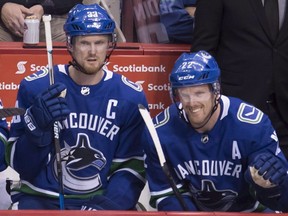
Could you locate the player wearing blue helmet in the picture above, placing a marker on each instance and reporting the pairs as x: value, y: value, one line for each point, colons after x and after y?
x: 195, y: 70
x: 223, y: 153
x: 100, y: 125
x: 85, y: 21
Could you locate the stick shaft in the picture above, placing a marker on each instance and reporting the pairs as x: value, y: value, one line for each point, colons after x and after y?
x: 49, y: 47
x: 150, y: 126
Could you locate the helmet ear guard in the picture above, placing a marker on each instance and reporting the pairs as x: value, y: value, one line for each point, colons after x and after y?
x: 114, y: 38
x: 216, y: 88
x: 113, y: 41
x: 173, y: 95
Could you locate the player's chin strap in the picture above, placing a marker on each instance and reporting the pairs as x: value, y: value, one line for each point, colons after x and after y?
x: 183, y: 115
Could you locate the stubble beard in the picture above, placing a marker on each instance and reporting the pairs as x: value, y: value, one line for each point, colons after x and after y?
x: 92, y: 70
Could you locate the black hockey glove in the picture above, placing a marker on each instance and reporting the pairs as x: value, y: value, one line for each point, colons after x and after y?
x: 49, y: 106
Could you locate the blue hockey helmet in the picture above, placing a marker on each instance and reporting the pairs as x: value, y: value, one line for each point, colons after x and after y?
x: 192, y: 69
x: 88, y: 20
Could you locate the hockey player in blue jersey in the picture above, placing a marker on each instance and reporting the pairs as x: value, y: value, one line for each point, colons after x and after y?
x: 100, y: 125
x: 3, y: 140
x: 223, y: 153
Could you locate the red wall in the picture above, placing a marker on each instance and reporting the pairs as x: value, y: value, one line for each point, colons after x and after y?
x: 147, y: 64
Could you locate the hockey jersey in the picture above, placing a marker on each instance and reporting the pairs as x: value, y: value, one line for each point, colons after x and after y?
x: 209, y: 168
x: 100, y: 147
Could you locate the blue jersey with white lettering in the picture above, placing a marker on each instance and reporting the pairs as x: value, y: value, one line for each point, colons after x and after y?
x: 100, y: 147
x: 209, y: 168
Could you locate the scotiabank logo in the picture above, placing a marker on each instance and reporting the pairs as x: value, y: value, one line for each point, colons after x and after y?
x: 21, y: 67
x: 139, y: 68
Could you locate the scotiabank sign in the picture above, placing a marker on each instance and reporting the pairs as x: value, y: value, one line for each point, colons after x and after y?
x: 151, y: 71
x: 139, y: 68
x: 153, y: 76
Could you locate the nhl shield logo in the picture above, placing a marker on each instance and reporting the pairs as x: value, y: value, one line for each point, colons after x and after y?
x: 85, y: 91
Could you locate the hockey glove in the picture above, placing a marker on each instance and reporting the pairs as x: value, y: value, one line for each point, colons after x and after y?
x: 49, y: 106
x: 267, y: 170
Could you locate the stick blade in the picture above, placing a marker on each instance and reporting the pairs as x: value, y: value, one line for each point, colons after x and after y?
x: 153, y: 133
x: 12, y: 111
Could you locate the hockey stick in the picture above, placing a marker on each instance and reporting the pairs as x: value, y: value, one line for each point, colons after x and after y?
x: 150, y: 126
x: 11, y: 111
x: 46, y: 20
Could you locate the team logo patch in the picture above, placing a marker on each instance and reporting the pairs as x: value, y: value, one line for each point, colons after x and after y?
x: 37, y: 75
x: 209, y: 198
x: 249, y: 114
x: 205, y: 138
x: 135, y: 86
x: 79, y: 159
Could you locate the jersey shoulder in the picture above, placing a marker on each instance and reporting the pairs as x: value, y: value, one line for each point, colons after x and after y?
x: 169, y: 119
x: 242, y: 115
x: 124, y: 87
x: 41, y: 78
x: 33, y: 84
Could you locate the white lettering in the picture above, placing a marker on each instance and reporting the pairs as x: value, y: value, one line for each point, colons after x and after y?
x: 109, y: 113
x: 208, y: 168
x: 91, y: 122
x: 35, y: 67
x: 9, y: 86
x: 159, y: 106
x: 186, y: 77
x: 235, y: 151
x: 164, y: 87
x: 182, y: 171
x: 140, y: 69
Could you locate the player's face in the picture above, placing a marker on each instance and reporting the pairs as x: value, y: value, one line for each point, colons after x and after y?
x: 197, y: 102
x: 90, y: 52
